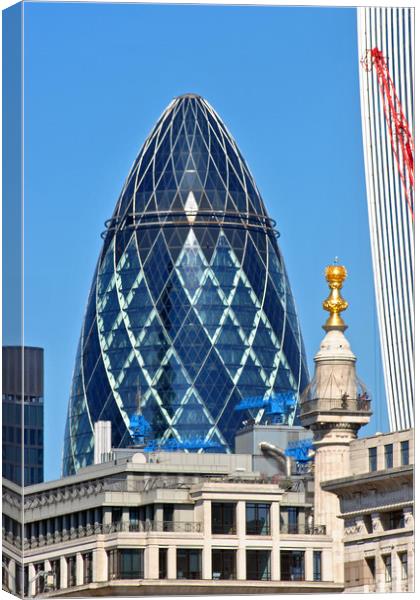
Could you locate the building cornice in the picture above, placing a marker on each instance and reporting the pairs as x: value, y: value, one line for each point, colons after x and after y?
x: 358, y: 482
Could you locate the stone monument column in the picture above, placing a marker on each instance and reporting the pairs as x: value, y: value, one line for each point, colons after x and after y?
x: 334, y: 406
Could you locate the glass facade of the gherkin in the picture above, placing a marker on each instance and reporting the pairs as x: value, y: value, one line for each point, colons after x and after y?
x: 190, y: 308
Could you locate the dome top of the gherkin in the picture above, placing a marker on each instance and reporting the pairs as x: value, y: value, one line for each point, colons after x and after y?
x: 189, y: 162
x: 188, y: 95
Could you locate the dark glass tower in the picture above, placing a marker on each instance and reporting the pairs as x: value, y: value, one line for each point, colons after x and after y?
x: 190, y: 309
x: 23, y: 403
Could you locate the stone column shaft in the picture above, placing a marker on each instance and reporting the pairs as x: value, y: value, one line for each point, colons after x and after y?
x: 172, y: 567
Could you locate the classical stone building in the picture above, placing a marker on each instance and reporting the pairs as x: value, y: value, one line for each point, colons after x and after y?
x: 376, y: 506
x: 167, y: 523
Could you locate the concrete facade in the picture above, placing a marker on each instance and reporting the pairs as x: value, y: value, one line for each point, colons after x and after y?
x: 376, y: 509
x: 166, y: 509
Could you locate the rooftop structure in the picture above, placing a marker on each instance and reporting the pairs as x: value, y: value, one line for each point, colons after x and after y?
x: 190, y: 307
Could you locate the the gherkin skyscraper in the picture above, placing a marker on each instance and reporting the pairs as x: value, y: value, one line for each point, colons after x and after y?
x: 190, y: 309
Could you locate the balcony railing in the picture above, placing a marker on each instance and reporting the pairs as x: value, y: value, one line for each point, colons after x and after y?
x: 302, y: 529
x: 343, y: 404
x: 104, y: 529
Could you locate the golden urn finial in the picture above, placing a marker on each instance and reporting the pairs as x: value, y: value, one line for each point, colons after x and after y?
x: 335, y: 275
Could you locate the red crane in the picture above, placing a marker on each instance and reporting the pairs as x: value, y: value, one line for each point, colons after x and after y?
x: 402, y: 142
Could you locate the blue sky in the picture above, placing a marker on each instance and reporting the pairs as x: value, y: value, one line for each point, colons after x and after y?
x: 285, y: 82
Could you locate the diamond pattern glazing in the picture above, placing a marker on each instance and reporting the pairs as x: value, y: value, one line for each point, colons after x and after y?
x: 190, y: 304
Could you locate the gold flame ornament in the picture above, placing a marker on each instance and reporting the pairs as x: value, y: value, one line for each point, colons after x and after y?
x: 335, y: 304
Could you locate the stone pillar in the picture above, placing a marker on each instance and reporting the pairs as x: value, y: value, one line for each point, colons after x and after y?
x: 241, y: 562
x: 107, y: 516
x: 207, y: 571
x: 241, y: 529
x: 125, y: 519
x: 275, y: 536
x: 410, y: 567
x: 241, y: 520
x: 331, y: 462
x: 11, y: 579
x: 309, y: 564
x: 158, y: 516
x: 31, y: 580
x: 63, y: 573
x: 207, y: 519
x: 333, y: 410
x: 327, y: 565
x: 151, y: 570
x: 172, y: 562
x: 100, y: 565
x: 206, y: 562
x: 79, y: 569
x: 379, y: 572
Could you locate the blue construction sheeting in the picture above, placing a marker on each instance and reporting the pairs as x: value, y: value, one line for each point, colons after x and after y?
x: 277, y: 405
x: 300, y: 450
x: 250, y: 403
x: 140, y: 428
x: 174, y: 445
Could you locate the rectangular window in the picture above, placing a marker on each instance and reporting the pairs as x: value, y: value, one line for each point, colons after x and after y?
x: 131, y: 564
x: 188, y: 563
x: 392, y: 520
x: 258, y: 565
x: 257, y: 519
x: 389, y: 456
x: 404, y: 453
x: 223, y: 564
x: 134, y: 519
x: 292, y: 565
x: 404, y: 565
x: 388, y: 568
x: 168, y: 513
x: 292, y: 519
x: 223, y: 518
x: 116, y: 515
x: 87, y: 567
x: 373, y: 459
x: 126, y: 563
x: 317, y: 565
x: 163, y: 563
x: 71, y: 571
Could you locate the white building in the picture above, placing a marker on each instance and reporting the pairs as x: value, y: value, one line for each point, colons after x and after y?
x: 169, y: 523
x: 391, y: 30
x: 376, y: 506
